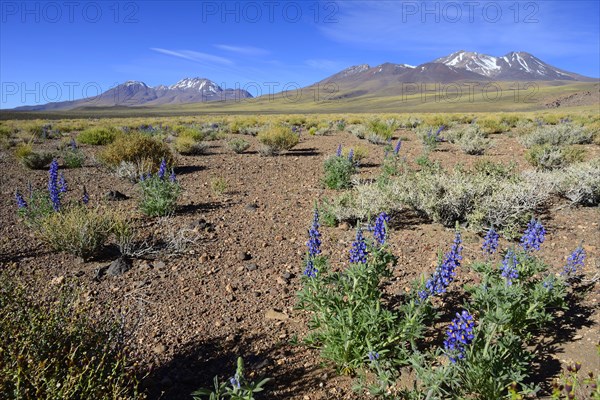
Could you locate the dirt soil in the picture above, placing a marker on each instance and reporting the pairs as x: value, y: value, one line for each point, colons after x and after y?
x: 232, y: 293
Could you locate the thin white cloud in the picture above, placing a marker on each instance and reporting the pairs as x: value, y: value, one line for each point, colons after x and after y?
x: 194, y: 56
x: 322, y: 64
x: 243, y: 50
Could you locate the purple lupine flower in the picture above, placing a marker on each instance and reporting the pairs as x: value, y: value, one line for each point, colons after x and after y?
x: 52, y: 185
x: 86, y: 197
x: 574, y: 261
x: 62, y: 184
x: 310, y: 270
x: 314, y: 241
x: 509, y: 267
x: 534, y: 236
x: 490, y: 241
x: 445, y: 272
x: 358, y: 252
x: 459, y: 335
x: 162, y: 170
x: 373, y: 355
x: 235, y: 381
x: 73, y: 144
x: 21, y: 203
x: 379, y: 231
x: 172, y: 177
x: 338, y: 153
x: 548, y: 284
x: 351, y: 155
x: 397, y: 148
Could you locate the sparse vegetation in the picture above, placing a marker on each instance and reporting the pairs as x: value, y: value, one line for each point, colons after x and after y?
x: 98, y: 136
x: 277, y: 139
x: 137, y: 149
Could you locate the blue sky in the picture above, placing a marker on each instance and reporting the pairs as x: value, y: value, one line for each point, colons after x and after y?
x: 51, y: 51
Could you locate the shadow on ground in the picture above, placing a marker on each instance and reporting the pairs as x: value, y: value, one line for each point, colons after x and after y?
x: 196, y: 365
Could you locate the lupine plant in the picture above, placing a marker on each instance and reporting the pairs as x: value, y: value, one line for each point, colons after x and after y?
x: 486, y: 353
x: 159, y: 192
x: 348, y: 318
x: 238, y: 387
x: 339, y: 170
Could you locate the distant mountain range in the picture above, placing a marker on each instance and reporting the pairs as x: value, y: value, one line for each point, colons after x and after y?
x: 385, y: 79
x: 134, y: 93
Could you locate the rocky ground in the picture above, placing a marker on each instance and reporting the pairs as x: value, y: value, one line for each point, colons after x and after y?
x: 232, y: 290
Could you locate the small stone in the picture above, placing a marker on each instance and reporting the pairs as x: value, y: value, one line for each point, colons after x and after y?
x: 281, y: 281
x: 577, y: 337
x: 276, y: 315
x: 218, y: 324
x: 160, y: 265
x: 56, y: 281
x: 251, y: 207
x: 159, y: 348
x: 286, y: 275
x: 119, y: 266
x: 203, y: 258
x: 251, y: 267
x: 228, y: 288
x: 344, y: 226
x: 279, y: 238
x: 243, y: 256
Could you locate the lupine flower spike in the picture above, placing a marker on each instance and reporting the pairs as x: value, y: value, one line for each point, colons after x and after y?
x: 351, y: 155
x: 509, y: 267
x: 162, y: 170
x: 172, y: 177
x: 373, y: 355
x: 397, y: 148
x: 459, y: 335
x: 86, y: 197
x: 339, y: 151
x: 310, y: 270
x: 379, y: 231
x: 21, y: 203
x: 53, y: 186
x: 314, y: 237
x: 62, y: 184
x: 490, y: 242
x: 445, y: 272
x: 575, y: 261
x: 534, y: 236
x: 358, y: 252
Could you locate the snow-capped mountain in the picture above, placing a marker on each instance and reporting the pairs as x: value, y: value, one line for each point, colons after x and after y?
x: 135, y: 93
x: 512, y: 66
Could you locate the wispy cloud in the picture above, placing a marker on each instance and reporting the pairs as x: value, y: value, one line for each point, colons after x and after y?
x: 243, y: 50
x: 195, y: 56
x: 323, y: 64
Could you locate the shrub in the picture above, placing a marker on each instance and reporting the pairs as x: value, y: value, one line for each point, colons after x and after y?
x: 159, y: 193
x: 357, y: 130
x: 382, y: 129
x: 473, y: 141
x: 278, y: 138
x: 430, y: 137
x: 492, y: 125
x: 76, y: 230
x: 98, y: 136
x: 238, y: 145
x: 338, y: 172
x: 52, y: 350
x: 189, y: 146
x: 557, y: 135
x: 36, y: 160
x: 72, y: 155
x: 138, y: 149
x: 219, y: 186
x: 548, y: 157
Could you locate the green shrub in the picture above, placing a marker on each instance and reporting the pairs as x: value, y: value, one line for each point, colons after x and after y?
x: 338, y: 172
x: 548, y: 157
x: 219, y: 186
x: 382, y: 129
x: 357, y: 130
x: 189, y: 146
x: 136, y: 148
x: 98, y: 136
x: 36, y: 160
x: 72, y: 156
x: 557, y: 135
x: 52, y: 349
x: 492, y: 125
x: 159, y: 195
x: 278, y: 138
x: 77, y: 230
x: 473, y: 141
x: 238, y: 145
